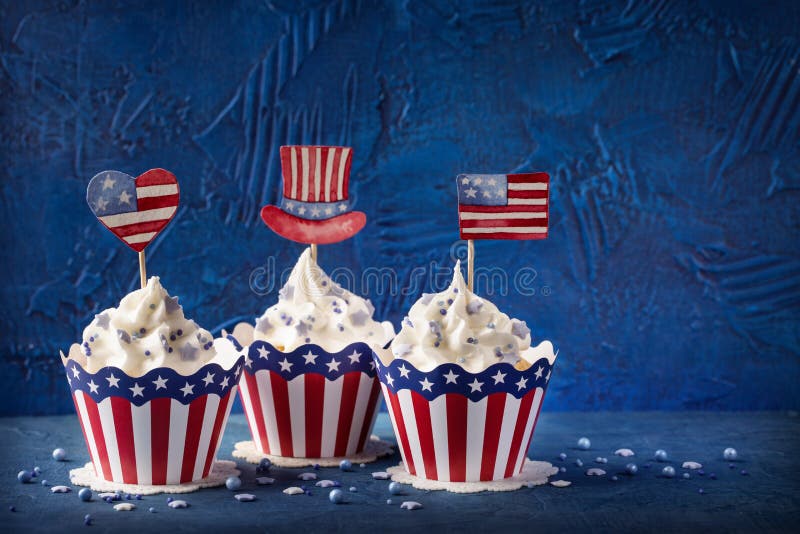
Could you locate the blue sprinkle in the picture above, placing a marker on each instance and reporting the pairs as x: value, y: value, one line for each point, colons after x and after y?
x: 91, y: 339
x: 345, y: 465
x: 142, y: 330
x: 562, y: 456
x: 233, y: 483
x: 180, y: 332
x: 668, y: 471
x: 12, y: 509
x: 583, y: 443
x: 455, y: 290
x: 700, y: 491
x: 336, y: 496
x: 701, y: 473
x: 169, y: 500
x: 87, y: 520
x: 151, y: 510
x: 169, y: 349
x: 59, y: 455
x: 265, y: 463
x: 631, y: 469
x: 712, y: 476
x: 353, y: 489
x: 37, y: 471
x: 24, y: 476
x: 44, y: 482
x: 85, y: 494
x: 147, y: 353
x: 395, y: 488
x: 731, y: 466
x: 730, y: 454
x: 316, y: 467
x: 388, y: 501
x: 743, y: 472
x: 562, y: 469
x: 579, y: 462
x: 661, y: 455
x: 172, y: 337
x: 108, y: 499
x: 443, y: 311
x: 449, y: 301
x: 138, y: 497
x: 614, y: 478
x: 687, y: 475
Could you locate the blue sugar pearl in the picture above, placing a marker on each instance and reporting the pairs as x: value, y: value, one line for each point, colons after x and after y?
x: 700, y: 491
x: 128, y: 496
x: 731, y: 466
x: 730, y: 454
x: 661, y: 455
x: 353, y: 489
x: 631, y: 469
x: 562, y: 456
x: 37, y: 471
x: 180, y: 332
x: 345, y: 465
x: 388, y: 501
x: 172, y: 337
x: 455, y: 290
x: 87, y: 520
x: 12, y: 509
x: 443, y: 311
x: 169, y: 500
x: 316, y: 467
x: 743, y: 472
x: 169, y: 349
x: 151, y: 510
x: 265, y: 463
x: 701, y: 473
x: 91, y: 339
x: 24, y: 476
x: 233, y: 483
x: 138, y: 497
x: 147, y: 353
x: 59, y: 455
x: 449, y: 301
x: 108, y: 499
x: 336, y: 496
x: 562, y: 469
x: 44, y: 482
x: 687, y: 475
x: 579, y: 462
x: 712, y: 476
x: 668, y: 471
x: 142, y: 330
x: 85, y: 494
x: 584, y: 444
x: 395, y: 488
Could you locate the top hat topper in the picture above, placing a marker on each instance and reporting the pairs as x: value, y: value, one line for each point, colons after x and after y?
x: 315, y: 208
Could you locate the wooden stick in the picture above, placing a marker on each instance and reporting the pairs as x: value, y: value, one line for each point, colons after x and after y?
x: 314, y: 252
x: 470, y: 262
x: 142, y: 270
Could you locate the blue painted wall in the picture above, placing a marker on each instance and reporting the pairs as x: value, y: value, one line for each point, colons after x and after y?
x: 671, y: 279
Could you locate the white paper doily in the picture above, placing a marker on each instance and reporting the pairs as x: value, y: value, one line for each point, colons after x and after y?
x: 374, y: 449
x: 534, y: 473
x: 222, y: 469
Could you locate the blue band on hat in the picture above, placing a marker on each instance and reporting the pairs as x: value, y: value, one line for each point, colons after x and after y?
x: 314, y: 211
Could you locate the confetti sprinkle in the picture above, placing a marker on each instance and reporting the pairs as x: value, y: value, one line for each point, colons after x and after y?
x: 307, y: 476
x: 381, y: 475
x: 625, y: 453
x: 395, y: 488
x: 176, y: 503
x: 85, y: 494
x: 584, y: 444
x: 336, y: 496
x: 233, y: 483
x: 59, y: 455
x: 245, y: 497
x: 293, y: 490
x: 60, y: 489
x: 730, y: 454
x: 560, y: 483
x: 411, y: 505
x: 128, y: 507
x: 264, y: 481
x: 661, y: 455
x: 692, y: 465
x: 595, y: 472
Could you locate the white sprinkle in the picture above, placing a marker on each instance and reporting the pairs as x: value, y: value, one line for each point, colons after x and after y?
x: 560, y: 483
x: 624, y: 452
x: 307, y: 476
x: 178, y: 504
x: 60, y: 489
x: 692, y: 465
x: 245, y: 497
x: 381, y: 475
x: 264, y: 481
x: 126, y: 507
x: 411, y: 505
x: 108, y: 494
x: 325, y: 484
x: 294, y: 490
x: 595, y: 472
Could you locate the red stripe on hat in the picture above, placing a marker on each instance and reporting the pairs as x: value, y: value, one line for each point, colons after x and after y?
x: 194, y: 425
x: 519, y: 431
x: 401, y: 430
x: 533, y: 426
x: 368, y: 415
x: 495, y: 404
x: 222, y: 409
x: 99, y: 438
x: 286, y: 169
x: 528, y: 178
x: 123, y: 427
x: 456, y: 408
x: 422, y: 414
x: 280, y: 395
x: 465, y: 208
x: 346, y: 182
x: 503, y: 235
x: 151, y: 203
x: 504, y: 223
x: 83, y: 429
x: 258, y: 427
x: 159, y: 437
x: 346, y: 409
x: 156, y: 177
x: 315, y: 405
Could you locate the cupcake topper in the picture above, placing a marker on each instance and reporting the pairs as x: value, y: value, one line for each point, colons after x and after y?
x: 501, y: 206
x: 134, y: 209
x: 315, y: 209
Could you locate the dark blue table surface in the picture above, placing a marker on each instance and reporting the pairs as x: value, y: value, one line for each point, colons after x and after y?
x: 766, y: 499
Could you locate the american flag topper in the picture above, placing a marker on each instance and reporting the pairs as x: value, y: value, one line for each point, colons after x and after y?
x: 137, y: 209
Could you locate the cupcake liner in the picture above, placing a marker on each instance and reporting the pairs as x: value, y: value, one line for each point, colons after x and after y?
x: 309, y: 403
x: 456, y: 426
x: 157, y: 429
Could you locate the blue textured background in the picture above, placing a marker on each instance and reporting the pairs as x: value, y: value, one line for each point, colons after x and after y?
x: 671, y: 279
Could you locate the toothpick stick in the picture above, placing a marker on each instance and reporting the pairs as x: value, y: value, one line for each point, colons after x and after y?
x: 470, y: 262
x: 142, y: 270
x: 314, y: 252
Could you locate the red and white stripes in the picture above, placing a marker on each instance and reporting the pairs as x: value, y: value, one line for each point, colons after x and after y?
x: 309, y: 416
x: 315, y: 173
x: 160, y: 442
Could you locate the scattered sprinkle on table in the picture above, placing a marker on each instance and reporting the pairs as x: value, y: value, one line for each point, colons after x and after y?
x: 601, y: 460
x: 631, y: 469
x: 176, y: 503
x: 307, y: 476
x: 595, y: 472
x: 353, y: 489
x: 560, y: 483
x: 24, y: 476
x: 60, y: 489
x: 151, y: 510
x: 692, y: 465
x: 265, y: 481
x: 293, y: 490
x: 87, y: 520
x: 108, y: 495
x: 245, y: 497
x: 584, y: 443
x: 395, y: 488
x: 233, y: 483
x: 562, y: 456
x: 59, y: 455
x: 579, y: 462
x: 730, y: 454
x: 624, y: 452
x: 668, y: 471
x: 44, y: 482
x: 336, y: 496
x: 326, y: 484
x: 411, y: 505
x: 85, y: 494
x: 381, y: 475
x: 125, y: 507
x: 345, y: 465
x: 687, y: 475
x: 661, y: 455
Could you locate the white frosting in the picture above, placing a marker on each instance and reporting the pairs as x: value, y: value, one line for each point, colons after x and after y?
x: 457, y: 326
x: 312, y: 308
x: 147, y: 331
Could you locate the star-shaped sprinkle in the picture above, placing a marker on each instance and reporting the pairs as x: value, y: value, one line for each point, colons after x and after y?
x: 450, y: 377
x: 75, y: 371
x: 92, y: 386
x: 224, y: 382
x: 519, y: 328
x: 474, y: 306
x: 286, y: 292
x: 499, y: 378
x: 188, y: 352
x: 389, y: 379
x: 171, y: 304
x: 359, y: 318
x: 263, y: 352
x: 247, y: 361
x: 404, y: 371
x: 539, y: 372
x: 188, y: 389
x: 113, y: 381
x: 470, y: 192
x: 124, y: 198
x: 160, y: 382
x: 523, y: 382
x: 475, y: 386
x: 137, y: 390
x: 109, y: 182
x: 263, y: 325
x: 355, y: 357
x: 333, y: 365
x: 209, y: 379
x: 102, y: 320
x: 286, y: 365
x: 426, y: 386
x: 401, y: 349
x: 310, y: 357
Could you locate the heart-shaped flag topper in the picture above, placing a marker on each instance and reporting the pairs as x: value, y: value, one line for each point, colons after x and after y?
x: 134, y: 209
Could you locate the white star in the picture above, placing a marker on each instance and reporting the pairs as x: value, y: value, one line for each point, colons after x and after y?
x: 310, y: 357
x: 499, y: 193
x: 238, y: 370
x: 290, y: 206
x: 328, y: 210
x: 426, y: 386
x: 523, y: 382
x: 450, y: 377
x: 478, y: 181
x: 539, y: 372
x: 390, y: 379
x: 108, y: 183
x: 209, y: 379
x: 333, y: 365
x: 354, y: 358
x: 470, y: 192
x: 263, y: 353
x: 224, y: 382
x: 188, y: 389
x: 160, y: 382
x: 486, y: 194
x: 302, y: 210
x: 137, y: 390
x: 403, y: 371
x: 75, y: 371
x: 491, y: 181
x: 475, y: 386
x: 92, y: 386
x: 465, y: 180
x: 548, y: 375
x: 315, y: 212
x: 124, y: 198
x: 113, y: 381
x: 499, y: 378
x: 371, y: 365
x: 247, y: 361
x: 342, y: 207
x: 101, y: 204
x: 285, y: 365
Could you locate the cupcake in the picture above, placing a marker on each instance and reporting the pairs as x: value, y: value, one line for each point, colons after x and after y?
x: 152, y: 390
x: 464, y: 387
x: 309, y: 388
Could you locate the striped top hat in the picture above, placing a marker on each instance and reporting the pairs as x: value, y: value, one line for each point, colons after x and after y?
x: 315, y: 208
